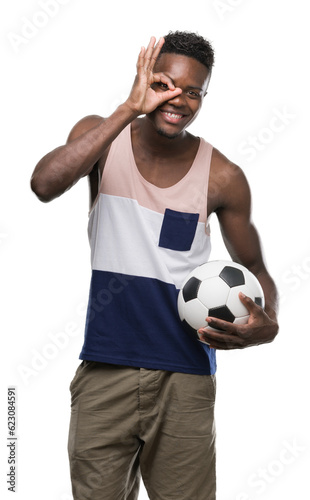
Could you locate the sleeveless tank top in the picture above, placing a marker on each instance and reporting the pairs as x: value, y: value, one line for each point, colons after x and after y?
x: 144, y: 241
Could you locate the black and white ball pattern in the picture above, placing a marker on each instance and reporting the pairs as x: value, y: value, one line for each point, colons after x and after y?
x: 212, y: 290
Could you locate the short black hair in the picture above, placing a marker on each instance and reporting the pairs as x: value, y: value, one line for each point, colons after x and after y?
x: 191, y: 45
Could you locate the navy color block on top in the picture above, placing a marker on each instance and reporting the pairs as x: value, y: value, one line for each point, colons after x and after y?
x: 178, y: 230
x: 133, y: 321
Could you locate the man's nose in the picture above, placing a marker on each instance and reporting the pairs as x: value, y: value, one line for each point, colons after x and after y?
x: 178, y: 100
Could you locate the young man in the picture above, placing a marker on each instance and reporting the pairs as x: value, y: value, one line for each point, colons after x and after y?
x: 143, y: 396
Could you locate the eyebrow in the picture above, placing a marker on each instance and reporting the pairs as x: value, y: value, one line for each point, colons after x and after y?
x: 196, y: 88
x: 189, y: 86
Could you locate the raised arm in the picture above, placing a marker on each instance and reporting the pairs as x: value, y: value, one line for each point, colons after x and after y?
x: 60, y: 169
x: 242, y: 241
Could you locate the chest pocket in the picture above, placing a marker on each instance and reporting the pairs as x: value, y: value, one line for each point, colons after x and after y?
x: 178, y: 230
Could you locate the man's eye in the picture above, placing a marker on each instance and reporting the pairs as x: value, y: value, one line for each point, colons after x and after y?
x: 193, y: 94
x: 164, y: 86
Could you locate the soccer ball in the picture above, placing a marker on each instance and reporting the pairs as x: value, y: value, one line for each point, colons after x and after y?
x: 212, y: 290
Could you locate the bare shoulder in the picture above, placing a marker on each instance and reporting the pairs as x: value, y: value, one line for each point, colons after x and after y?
x: 227, y: 183
x: 83, y: 126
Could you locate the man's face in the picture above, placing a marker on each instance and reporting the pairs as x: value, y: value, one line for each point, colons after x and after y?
x: 174, y: 115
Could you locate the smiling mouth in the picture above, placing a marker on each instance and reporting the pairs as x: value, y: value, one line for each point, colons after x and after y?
x: 172, y: 117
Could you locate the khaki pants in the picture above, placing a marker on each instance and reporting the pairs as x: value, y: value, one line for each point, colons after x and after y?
x: 127, y: 422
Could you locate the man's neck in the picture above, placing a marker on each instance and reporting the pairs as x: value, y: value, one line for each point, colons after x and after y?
x: 157, y: 144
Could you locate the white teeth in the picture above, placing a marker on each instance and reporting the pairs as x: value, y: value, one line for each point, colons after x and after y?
x: 172, y: 115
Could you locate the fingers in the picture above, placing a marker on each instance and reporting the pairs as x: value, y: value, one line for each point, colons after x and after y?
x: 254, y: 309
x: 156, y: 52
x: 147, y: 53
x: 140, y: 61
x: 147, y: 98
x: 169, y: 91
x: 248, y: 302
x: 221, y: 327
x: 169, y: 94
x: 147, y: 57
x: 220, y: 340
x: 162, y: 78
x: 236, y: 336
x: 223, y: 335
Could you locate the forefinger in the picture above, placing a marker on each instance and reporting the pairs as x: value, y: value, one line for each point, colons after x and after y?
x: 151, y: 53
x: 156, y: 52
x: 219, y: 340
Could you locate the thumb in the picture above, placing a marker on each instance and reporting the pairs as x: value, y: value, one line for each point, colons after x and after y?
x: 248, y: 303
x: 169, y: 94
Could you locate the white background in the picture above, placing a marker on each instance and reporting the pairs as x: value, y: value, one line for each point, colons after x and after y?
x: 80, y: 61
